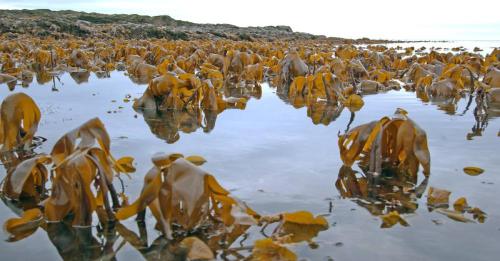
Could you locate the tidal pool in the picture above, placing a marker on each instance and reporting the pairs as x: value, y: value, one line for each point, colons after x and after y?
x: 278, y: 158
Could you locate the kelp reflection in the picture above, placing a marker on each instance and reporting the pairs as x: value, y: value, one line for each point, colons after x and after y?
x: 392, y: 193
x: 163, y: 249
x: 167, y: 124
x: 320, y: 111
x: 448, y: 105
x: 106, y: 242
x: 381, y: 194
x: 243, y: 90
x: 80, y: 76
x: 480, y: 103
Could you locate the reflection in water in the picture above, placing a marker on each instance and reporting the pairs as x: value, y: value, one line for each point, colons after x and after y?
x: 11, y: 85
x: 104, y: 241
x: 447, y: 104
x: 138, y: 80
x: 80, y: 76
x: 43, y: 76
x: 102, y: 74
x: 320, y: 111
x: 380, y: 194
x: 483, y: 109
x: 79, y: 243
x: 242, y: 90
x: 166, y: 124
x: 481, y: 115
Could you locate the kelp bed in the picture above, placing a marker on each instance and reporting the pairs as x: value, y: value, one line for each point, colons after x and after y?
x: 268, y: 184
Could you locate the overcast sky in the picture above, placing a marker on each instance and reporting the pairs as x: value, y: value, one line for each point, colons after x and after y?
x: 387, y: 19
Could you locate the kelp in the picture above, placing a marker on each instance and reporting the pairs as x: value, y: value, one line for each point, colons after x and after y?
x: 253, y: 73
x: 197, y: 249
x: 473, y: 171
x: 82, y: 158
x: 369, y: 86
x: 81, y: 161
x: 169, y: 124
x: 71, y: 187
x: 290, y: 67
x: 267, y: 249
x: 438, y: 197
x: 89, y: 134
x: 177, y: 190
x: 189, y: 84
x: 24, y: 226
x: 179, y: 193
x: 391, y: 219
x: 454, y: 215
x: 171, y: 92
x: 460, y: 204
x: 492, y: 77
x: 19, y: 118
x: 235, y: 60
x: 28, y: 178
x: 296, y: 226
x: 163, y: 64
x: 438, y: 200
x: 324, y: 86
x: 395, y: 142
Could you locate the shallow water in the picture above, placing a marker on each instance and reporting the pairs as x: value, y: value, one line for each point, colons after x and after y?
x: 485, y: 46
x: 275, y: 158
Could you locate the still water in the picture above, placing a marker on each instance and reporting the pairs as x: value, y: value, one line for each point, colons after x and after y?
x: 277, y: 158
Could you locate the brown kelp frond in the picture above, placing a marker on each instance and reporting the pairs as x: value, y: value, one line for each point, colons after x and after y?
x: 19, y: 118
x: 395, y: 142
x: 28, y: 178
x: 87, y: 135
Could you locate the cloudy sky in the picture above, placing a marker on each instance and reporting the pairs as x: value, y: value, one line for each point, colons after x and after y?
x: 387, y: 19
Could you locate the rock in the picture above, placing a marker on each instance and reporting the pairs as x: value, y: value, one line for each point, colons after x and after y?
x: 43, y: 22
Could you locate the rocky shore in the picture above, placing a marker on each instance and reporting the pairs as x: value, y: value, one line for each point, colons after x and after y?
x: 60, y: 24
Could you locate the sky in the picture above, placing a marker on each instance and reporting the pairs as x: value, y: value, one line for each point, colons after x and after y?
x: 380, y: 19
